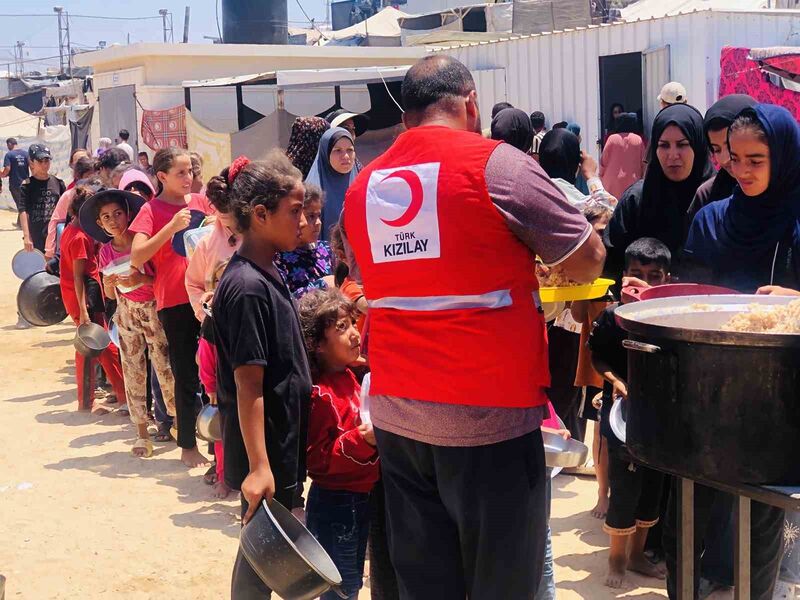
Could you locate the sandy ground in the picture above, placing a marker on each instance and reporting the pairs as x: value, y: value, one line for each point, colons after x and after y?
x: 80, y: 517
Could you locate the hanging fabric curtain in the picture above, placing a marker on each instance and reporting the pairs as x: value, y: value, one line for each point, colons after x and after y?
x: 164, y: 128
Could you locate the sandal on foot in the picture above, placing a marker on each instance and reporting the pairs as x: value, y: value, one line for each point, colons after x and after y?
x: 163, y: 434
x: 124, y: 410
x: 143, y: 444
x: 210, y: 476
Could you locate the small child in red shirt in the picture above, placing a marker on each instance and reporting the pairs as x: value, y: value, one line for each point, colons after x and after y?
x: 82, y: 294
x: 342, y: 459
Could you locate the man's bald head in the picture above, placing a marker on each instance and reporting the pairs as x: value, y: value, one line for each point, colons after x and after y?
x: 439, y: 85
x: 434, y: 79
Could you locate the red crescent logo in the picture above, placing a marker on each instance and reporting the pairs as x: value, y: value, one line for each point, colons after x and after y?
x: 414, y: 183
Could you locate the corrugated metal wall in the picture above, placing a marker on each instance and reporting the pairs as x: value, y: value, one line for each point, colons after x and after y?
x: 558, y: 73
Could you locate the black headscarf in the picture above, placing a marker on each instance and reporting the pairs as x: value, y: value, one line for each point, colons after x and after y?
x: 747, y: 240
x: 627, y: 123
x: 720, y: 116
x: 656, y: 206
x: 513, y: 126
x: 560, y: 154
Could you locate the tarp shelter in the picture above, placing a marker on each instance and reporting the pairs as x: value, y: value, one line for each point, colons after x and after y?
x: 381, y: 29
x: 17, y: 123
x: 649, y: 9
x: 770, y: 75
x: 229, y: 104
x: 29, y: 101
x: 476, y: 18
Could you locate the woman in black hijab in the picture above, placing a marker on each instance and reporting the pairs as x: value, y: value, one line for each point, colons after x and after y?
x: 560, y: 155
x: 656, y: 206
x: 513, y: 126
x: 715, y: 126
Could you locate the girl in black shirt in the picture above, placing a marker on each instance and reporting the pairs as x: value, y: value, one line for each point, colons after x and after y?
x: 263, y: 379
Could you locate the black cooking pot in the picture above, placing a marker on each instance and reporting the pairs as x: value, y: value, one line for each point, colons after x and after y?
x: 711, y: 404
x: 286, y: 556
x: 39, y: 300
x: 91, y: 339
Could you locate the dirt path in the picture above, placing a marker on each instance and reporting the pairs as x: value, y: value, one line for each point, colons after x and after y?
x: 82, y: 518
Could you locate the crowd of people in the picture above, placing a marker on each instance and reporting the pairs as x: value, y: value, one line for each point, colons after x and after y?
x: 315, y: 274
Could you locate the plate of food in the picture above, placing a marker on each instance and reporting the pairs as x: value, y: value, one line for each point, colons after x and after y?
x: 576, y: 291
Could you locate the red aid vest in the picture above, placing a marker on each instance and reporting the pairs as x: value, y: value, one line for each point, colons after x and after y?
x: 454, y: 311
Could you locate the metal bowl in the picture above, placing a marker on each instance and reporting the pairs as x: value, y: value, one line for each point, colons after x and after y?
x: 285, y: 555
x: 27, y: 262
x: 91, y: 339
x: 559, y: 452
x: 208, y: 426
x: 617, y: 419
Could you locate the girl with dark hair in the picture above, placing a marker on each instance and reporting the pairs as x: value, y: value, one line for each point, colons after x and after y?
x: 213, y: 249
x: 154, y: 227
x: 305, y: 268
x: 263, y: 381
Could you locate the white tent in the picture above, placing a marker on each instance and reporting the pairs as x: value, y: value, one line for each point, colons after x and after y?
x: 381, y: 29
x: 649, y: 9
x: 17, y: 123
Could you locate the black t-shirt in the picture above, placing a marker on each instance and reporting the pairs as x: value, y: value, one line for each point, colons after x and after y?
x: 606, y: 342
x: 256, y: 323
x: 39, y: 197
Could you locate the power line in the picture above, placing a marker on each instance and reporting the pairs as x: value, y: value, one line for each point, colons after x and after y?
x: 112, y: 18
x: 83, y: 17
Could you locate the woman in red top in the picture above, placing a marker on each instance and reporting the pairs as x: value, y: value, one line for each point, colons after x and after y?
x: 342, y: 459
x: 154, y: 227
x: 83, y: 299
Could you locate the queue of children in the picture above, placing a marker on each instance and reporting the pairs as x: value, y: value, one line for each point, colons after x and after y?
x: 270, y: 321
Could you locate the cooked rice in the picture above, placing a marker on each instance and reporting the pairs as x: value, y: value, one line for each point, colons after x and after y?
x: 767, y: 319
x: 556, y: 278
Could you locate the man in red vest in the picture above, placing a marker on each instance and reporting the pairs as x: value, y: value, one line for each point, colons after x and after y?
x: 444, y: 228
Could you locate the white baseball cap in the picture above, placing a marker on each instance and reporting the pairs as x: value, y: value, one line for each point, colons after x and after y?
x: 673, y: 93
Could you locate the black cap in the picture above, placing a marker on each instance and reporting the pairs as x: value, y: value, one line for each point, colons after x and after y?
x: 38, y: 152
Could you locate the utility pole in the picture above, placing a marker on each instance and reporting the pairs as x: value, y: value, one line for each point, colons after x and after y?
x: 19, y: 59
x: 64, y: 49
x: 186, y: 26
x: 167, y: 25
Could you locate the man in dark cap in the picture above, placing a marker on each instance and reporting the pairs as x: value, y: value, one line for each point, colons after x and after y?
x: 457, y: 415
x: 38, y: 197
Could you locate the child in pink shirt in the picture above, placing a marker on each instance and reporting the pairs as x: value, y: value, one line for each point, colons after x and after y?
x: 105, y: 217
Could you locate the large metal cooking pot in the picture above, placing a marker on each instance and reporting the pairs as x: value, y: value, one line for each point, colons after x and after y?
x: 707, y: 403
x: 286, y: 556
x: 39, y: 300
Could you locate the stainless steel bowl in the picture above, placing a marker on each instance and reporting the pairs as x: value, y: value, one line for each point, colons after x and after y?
x: 208, y: 426
x: 617, y: 419
x: 559, y: 452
